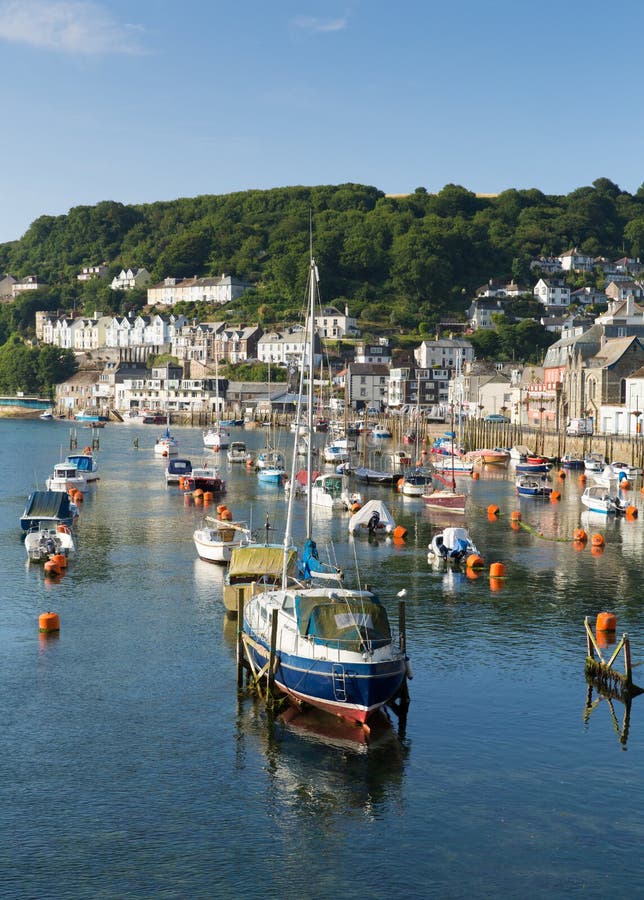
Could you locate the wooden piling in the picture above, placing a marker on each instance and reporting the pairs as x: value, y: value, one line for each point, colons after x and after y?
x: 603, y: 674
x: 402, y: 626
x: 240, y: 637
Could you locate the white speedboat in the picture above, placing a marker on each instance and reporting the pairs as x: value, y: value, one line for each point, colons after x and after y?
x: 416, y: 483
x: 622, y: 468
x: 380, y: 432
x: 600, y: 499
x: 451, y: 546
x: 237, y: 452
x: 217, y: 538
x: 332, y: 491
x: 43, y: 542
x: 216, y: 439
x: 66, y: 477
x: 594, y: 462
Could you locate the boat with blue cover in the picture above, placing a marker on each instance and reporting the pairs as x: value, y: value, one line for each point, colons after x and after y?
x: 47, y: 509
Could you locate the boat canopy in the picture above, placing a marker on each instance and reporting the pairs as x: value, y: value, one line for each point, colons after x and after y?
x: 46, y: 505
x: 256, y: 561
x: 371, y: 508
x: 179, y: 467
x: 343, y: 620
x: 83, y: 462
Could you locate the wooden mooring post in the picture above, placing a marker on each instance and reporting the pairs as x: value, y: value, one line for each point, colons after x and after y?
x: 601, y: 672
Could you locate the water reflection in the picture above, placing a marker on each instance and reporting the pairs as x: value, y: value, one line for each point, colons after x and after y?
x: 620, y: 727
x: 318, y: 765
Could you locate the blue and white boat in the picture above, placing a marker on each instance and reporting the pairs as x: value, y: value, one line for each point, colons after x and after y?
x: 90, y: 415
x: 334, y: 647
x: 533, y: 486
x: 86, y: 464
x: 48, y: 509
x: 271, y: 474
x: 601, y: 499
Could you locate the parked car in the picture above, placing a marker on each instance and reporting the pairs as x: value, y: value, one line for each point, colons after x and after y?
x: 496, y: 417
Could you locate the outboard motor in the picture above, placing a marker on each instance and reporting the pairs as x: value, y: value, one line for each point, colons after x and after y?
x: 373, y: 522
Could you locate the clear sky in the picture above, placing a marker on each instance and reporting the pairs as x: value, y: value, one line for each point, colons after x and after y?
x: 145, y: 100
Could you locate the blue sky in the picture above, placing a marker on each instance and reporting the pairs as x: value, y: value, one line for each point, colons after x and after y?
x: 145, y: 100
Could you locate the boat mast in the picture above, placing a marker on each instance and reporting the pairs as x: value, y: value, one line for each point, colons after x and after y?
x: 314, y: 280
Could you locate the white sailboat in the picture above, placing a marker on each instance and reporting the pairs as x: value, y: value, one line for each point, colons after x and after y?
x: 334, y: 649
x: 216, y: 438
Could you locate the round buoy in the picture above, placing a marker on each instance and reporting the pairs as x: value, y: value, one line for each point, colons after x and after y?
x: 474, y: 561
x: 87, y: 451
x: 492, y: 510
x: 208, y: 496
x: 562, y: 474
x: 582, y: 479
x: 48, y: 622
x: 624, y: 485
x: 78, y: 497
x: 497, y: 570
x: 516, y: 516
x: 355, y: 507
x: 606, y: 621
x: 53, y: 566
x: 631, y: 512
x: 475, y: 475
x: 197, y: 493
x: 579, y: 535
x: 61, y: 559
x: 226, y: 515
x: 400, y: 533
x: 221, y: 508
x: 555, y: 496
x: 181, y: 482
x: 399, y: 484
x: 472, y: 574
x: 597, y: 540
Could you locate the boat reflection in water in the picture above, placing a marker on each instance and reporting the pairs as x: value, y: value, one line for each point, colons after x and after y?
x: 318, y: 763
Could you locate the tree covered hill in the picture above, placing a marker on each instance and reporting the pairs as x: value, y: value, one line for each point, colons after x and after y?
x: 403, y: 261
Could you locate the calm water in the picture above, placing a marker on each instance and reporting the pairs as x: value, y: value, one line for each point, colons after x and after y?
x: 131, y: 769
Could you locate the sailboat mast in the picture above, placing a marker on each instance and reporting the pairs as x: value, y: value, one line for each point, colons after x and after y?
x: 313, y: 283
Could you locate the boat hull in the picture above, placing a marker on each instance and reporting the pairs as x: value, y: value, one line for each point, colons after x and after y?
x: 446, y: 501
x: 353, y: 690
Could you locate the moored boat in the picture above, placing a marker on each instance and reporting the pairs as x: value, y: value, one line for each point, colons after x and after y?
x: 451, y: 546
x: 166, y: 445
x: 42, y: 542
x: 332, y: 491
x: 532, y: 486
x: 205, y: 478
x: 373, y: 518
x: 48, y: 509
x: 217, y: 538
x: 600, y: 499
x: 66, y: 477
x: 415, y: 483
x: 177, y: 469
x: 237, y: 452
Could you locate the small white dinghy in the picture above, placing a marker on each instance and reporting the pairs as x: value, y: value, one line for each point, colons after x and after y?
x: 372, y: 518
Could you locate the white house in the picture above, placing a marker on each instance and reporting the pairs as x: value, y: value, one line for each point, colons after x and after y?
x: 373, y: 353
x: 30, y: 283
x: 574, y: 261
x: 331, y: 323
x: 217, y: 290
x: 287, y: 347
x: 444, y: 353
x: 367, y: 385
x: 552, y: 292
x: 89, y: 272
x: 128, y: 279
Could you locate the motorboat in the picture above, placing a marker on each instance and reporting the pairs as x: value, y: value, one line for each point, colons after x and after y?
x: 446, y: 445
x: 66, y: 477
x: 373, y: 518
x: 401, y: 459
x: 237, y: 452
x: 456, y: 465
x: 416, y: 483
x: 527, y: 468
x: 334, y: 453
x: 205, y: 478
x: 48, y: 509
x: 568, y: 461
x: 332, y: 491
x: 622, y: 468
x: 43, y: 542
x: 216, y: 439
x: 532, y: 486
x: 594, y: 462
x: 217, y: 538
x: 91, y: 416
x: 166, y: 445
x: 331, y: 647
x: 608, y: 477
x: 380, y: 432
x: 600, y: 499
x: 496, y: 456
x: 452, y: 546
x: 46, y: 415
x: 86, y: 463
x: 177, y: 469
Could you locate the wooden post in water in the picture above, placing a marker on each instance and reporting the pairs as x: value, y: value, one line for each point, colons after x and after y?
x: 270, y: 675
x: 240, y: 632
x: 402, y: 626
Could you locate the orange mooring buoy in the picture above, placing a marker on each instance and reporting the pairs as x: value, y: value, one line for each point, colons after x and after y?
x: 492, y: 510
x: 475, y: 475
x: 606, y: 621
x: 497, y: 570
x: 597, y: 540
x: 515, y: 516
x: 208, y: 496
x: 48, y: 622
x: 53, y: 566
x: 631, y: 512
x: 582, y: 479
x: 562, y: 474
x: 400, y: 533
x: 555, y: 496
x: 474, y: 561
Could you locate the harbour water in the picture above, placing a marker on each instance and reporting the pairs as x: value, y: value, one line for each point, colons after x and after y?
x: 132, y: 769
